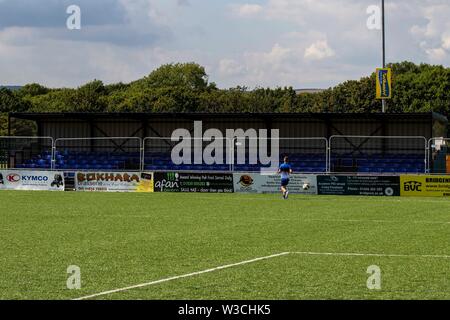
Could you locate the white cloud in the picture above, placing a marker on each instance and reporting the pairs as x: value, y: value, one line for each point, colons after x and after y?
x: 319, y: 51
x: 302, y: 43
x: 55, y: 56
x: 436, y: 54
x: 333, y: 34
x: 303, y: 11
x: 282, y: 64
x: 277, y: 55
x: 435, y: 34
x: 230, y: 67
x: 258, y: 68
x: 62, y: 63
x: 446, y: 42
x: 247, y: 9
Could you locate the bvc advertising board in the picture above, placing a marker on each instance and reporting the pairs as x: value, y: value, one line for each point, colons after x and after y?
x: 428, y: 186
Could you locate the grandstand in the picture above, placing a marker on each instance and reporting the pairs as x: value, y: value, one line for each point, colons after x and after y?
x: 316, y: 143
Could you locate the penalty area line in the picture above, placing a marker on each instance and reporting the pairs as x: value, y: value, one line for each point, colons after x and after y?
x: 181, y: 276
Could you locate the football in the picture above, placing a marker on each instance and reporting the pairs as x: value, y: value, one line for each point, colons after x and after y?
x: 305, y: 186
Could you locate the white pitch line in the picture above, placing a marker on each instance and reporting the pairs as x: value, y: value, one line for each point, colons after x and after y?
x: 181, y: 276
x: 259, y: 259
x: 379, y: 221
x: 372, y: 255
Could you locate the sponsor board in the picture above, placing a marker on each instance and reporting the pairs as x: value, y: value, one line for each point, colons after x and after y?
x: 31, y: 180
x: 193, y: 182
x: 359, y: 185
x: 114, y: 181
x: 257, y: 183
x: 428, y: 186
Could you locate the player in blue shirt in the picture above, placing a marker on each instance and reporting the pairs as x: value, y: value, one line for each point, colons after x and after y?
x: 285, y: 170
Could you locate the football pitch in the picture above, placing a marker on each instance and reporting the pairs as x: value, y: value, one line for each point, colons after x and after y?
x: 222, y: 246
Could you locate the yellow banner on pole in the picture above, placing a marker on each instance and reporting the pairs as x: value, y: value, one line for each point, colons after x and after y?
x: 384, y: 83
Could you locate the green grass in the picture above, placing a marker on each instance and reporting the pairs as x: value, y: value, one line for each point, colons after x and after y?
x: 120, y: 240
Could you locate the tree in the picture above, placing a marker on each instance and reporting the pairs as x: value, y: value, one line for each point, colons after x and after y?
x: 185, y: 75
x: 421, y: 88
x: 88, y: 98
x: 60, y: 100
x: 185, y: 87
x: 33, y: 89
x: 9, y: 101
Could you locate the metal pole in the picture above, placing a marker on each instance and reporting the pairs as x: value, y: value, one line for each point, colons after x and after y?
x: 383, y: 31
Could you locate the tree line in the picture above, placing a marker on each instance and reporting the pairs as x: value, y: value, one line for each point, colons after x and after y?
x: 185, y: 87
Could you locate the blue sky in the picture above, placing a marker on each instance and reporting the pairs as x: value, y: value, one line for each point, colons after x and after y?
x: 299, y: 43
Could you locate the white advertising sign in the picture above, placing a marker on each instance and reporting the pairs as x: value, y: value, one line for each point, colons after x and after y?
x: 31, y: 180
x: 257, y: 183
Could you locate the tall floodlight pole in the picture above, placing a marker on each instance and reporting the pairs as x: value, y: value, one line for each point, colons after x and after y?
x: 383, y: 101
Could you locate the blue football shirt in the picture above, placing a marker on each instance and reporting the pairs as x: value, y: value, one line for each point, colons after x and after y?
x: 285, y: 169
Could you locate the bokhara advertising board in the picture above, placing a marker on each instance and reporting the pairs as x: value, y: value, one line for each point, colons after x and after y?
x: 114, y: 181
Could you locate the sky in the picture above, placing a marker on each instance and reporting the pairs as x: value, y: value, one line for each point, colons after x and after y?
x: 259, y: 43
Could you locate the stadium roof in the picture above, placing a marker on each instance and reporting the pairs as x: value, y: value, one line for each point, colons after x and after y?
x: 124, y: 124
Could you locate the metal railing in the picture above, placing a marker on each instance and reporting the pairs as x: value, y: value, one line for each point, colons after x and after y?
x: 29, y: 151
x: 134, y: 153
x: 160, y: 152
x: 363, y: 153
x: 306, y: 154
x: 107, y: 153
x: 237, y: 154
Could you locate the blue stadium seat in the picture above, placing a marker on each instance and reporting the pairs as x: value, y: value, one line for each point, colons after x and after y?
x: 301, y: 162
